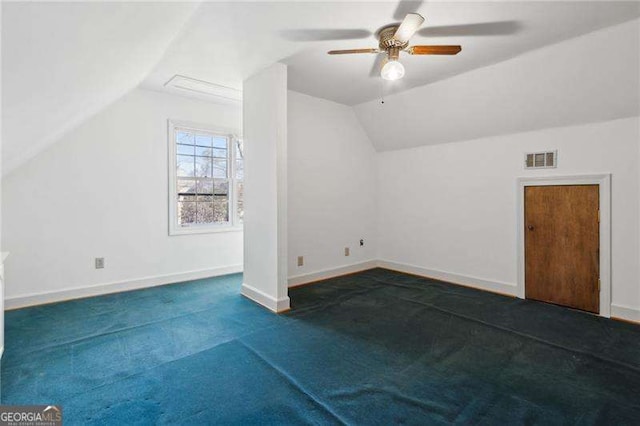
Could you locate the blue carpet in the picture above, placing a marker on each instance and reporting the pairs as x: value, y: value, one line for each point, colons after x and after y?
x: 378, y: 347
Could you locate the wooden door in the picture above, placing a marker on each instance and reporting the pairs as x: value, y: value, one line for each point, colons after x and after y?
x: 562, y: 244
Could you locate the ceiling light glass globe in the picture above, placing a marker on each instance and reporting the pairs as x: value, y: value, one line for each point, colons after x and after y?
x: 392, y: 70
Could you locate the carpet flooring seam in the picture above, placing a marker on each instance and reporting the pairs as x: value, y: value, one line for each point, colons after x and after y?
x: 396, y: 394
x: 421, y: 282
x: 507, y: 329
x: 488, y: 293
x: 295, y: 384
x: 525, y: 335
x: 110, y: 332
x: 336, y: 301
x: 377, y: 347
x: 147, y: 370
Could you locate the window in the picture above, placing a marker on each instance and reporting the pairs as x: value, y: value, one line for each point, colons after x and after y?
x: 206, y: 169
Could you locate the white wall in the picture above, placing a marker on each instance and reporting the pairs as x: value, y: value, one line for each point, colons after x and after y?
x: 452, y: 208
x: 101, y: 191
x: 595, y: 77
x: 66, y: 61
x: 332, y: 194
x: 265, y: 187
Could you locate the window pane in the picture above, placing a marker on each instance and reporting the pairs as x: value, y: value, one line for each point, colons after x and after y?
x: 221, y: 200
x: 221, y: 187
x: 204, y: 213
x: 221, y: 208
x: 205, y: 186
x: 186, y: 186
x: 205, y: 199
x: 219, y: 153
x: 185, y: 149
x: 186, y: 213
x: 219, y: 168
x: 220, y: 142
x: 240, y: 196
x: 185, y: 165
x: 186, y: 138
x: 203, y: 151
x: 203, y: 166
x: 239, y: 169
x: 203, y: 140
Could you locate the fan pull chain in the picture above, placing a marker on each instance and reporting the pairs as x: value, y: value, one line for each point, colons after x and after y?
x: 381, y: 91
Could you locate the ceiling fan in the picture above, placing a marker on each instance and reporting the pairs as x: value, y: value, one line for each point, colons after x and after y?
x: 395, y: 39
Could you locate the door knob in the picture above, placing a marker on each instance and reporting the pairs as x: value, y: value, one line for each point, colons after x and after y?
x: 530, y: 227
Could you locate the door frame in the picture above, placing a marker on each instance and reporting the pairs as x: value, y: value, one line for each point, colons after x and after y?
x: 604, y: 184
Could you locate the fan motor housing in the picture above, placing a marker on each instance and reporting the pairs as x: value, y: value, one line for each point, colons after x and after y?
x: 386, y: 38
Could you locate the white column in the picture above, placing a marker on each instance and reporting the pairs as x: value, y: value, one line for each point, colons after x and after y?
x: 265, y: 188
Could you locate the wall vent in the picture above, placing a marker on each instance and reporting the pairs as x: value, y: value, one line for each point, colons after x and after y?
x: 541, y: 160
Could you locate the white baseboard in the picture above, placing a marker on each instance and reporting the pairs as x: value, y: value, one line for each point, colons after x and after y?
x: 464, y: 280
x: 276, y: 305
x: 283, y: 304
x: 625, y: 313
x: 330, y: 273
x: 115, y: 287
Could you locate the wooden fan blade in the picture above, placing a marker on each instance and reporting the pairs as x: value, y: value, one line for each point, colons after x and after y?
x: 350, y: 51
x: 434, y: 50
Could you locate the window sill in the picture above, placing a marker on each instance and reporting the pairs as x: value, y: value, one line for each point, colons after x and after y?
x: 205, y: 230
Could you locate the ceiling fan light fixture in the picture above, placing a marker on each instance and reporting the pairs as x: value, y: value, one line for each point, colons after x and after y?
x: 394, y: 39
x: 392, y: 70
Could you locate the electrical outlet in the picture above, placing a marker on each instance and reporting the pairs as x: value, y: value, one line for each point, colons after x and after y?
x: 346, y: 251
x: 361, y: 242
x: 300, y: 260
x: 99, y: 262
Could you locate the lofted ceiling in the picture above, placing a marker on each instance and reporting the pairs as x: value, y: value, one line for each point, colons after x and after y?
x: 63, y: 62
x: 226, y: 42
x: 587, y: 79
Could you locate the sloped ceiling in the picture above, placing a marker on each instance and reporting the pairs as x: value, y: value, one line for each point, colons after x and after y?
x: 489, y: 32
x: 595, y: 77
x: 227, y: 42
x: 63, y: 62
x: 489, y: 88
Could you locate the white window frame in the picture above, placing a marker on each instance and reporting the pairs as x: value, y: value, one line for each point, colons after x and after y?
x: 234, y: 225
